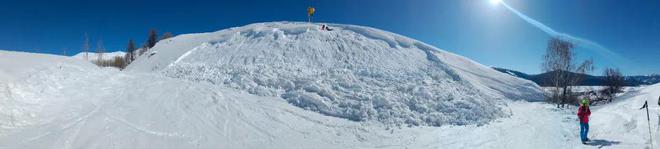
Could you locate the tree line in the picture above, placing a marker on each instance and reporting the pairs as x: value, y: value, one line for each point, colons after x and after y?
x: 559, y: 59
x: 132, y: 52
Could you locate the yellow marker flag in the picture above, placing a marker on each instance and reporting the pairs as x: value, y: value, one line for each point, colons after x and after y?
x: 310, y: 11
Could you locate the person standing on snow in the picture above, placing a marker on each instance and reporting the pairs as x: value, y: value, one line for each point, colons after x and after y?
x: 583, y: 114
x: 325, y: 28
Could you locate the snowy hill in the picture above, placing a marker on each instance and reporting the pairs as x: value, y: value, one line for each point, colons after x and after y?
x: 53, y: 101
x: 623, y: 121
x: 106, y: 56
x: 352, y: 72
x: 49, y: 101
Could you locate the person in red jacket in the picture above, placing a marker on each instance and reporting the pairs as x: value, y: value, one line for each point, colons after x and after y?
x: 583, y: 113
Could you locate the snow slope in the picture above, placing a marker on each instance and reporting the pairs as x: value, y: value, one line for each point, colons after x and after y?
x: 57, y: 102
x: 352, y: 72
x: 51, y: 101
x: 27, y: 82
x: 624, y: 123
x: 619, y: 125
x: 106, y: 56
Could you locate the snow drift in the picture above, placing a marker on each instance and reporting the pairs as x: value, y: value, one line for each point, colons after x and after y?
x: 352, y: 72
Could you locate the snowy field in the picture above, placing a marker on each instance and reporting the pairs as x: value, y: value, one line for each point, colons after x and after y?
x: 49, y: 101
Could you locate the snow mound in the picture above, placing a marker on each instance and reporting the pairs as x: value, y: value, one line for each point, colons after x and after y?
x: 25, y: 79
x: 624, y: 121
x: 353, y: 72
x: 49, y: 101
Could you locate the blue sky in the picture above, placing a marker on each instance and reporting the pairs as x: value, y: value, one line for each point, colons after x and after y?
x: 477, y: 29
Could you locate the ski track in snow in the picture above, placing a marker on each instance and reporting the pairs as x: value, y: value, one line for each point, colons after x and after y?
x: 141, y: 129
x: 204, y: 45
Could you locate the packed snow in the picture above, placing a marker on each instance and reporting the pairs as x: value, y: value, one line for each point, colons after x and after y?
x: 59, y: 102
x: 49, y: 101
x: 352, y: 72
x: 624, y: 123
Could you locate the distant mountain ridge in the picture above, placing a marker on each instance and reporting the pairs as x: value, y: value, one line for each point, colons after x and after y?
x: 589, y: 80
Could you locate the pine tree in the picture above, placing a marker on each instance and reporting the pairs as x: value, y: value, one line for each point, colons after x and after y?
x: 153, y: 38
x: 99, y: 50
x: 130, y: 51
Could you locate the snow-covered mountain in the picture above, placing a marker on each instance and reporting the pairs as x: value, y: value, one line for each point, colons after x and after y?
x: 352, y: 72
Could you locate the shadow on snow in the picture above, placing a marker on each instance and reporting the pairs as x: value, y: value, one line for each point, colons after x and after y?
x: 602, y: 143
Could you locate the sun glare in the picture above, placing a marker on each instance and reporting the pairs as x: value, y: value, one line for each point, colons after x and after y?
x: 495, y: 2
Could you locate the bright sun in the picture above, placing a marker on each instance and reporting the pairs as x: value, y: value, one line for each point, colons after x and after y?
x: 495, y: 2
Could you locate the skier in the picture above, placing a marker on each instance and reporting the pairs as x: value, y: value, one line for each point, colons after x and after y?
x: 583, y: 114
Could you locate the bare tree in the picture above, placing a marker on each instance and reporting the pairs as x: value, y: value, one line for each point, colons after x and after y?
x: 118, y: 62
x: 614, y: 82
x: 99, y: 50
x: 85, y: 48
x: 558, y: 60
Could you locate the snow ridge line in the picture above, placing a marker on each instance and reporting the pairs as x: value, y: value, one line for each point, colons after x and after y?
x: 204, y: 45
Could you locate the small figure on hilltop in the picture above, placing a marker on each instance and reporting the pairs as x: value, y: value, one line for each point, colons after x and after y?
x: 325, y: 27
x: 583, y: 114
